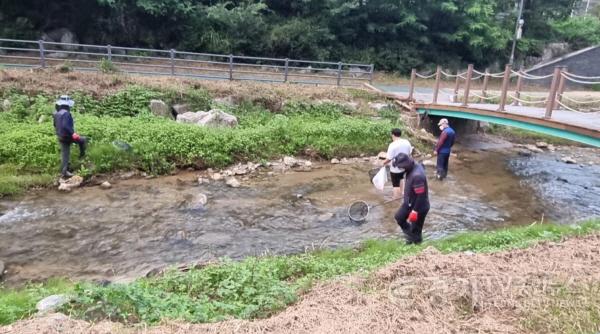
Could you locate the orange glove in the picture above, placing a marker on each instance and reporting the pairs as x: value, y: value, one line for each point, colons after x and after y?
x: 413, y: 216
x: 76, y: 137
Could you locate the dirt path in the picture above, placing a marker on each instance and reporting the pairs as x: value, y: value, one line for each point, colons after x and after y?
x: 428, y: 293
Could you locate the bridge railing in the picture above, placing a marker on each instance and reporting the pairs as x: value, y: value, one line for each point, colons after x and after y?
x: 86, y: 57
x: 550, y: 98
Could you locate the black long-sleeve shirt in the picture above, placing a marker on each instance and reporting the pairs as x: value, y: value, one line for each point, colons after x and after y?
x: 63, y: 123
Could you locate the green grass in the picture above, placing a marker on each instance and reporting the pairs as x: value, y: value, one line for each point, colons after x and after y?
x: 159, y: 144
x: 20, y: 304
x: 259, y: 286
x: 13, y: 181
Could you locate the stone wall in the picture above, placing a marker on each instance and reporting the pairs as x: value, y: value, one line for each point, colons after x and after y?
x: 584, y: 62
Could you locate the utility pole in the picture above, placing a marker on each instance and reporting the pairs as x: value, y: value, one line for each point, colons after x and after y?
x: 518, y: 32
x: 587, y: 7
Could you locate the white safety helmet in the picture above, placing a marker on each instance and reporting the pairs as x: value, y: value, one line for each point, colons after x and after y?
x: 65, y: 100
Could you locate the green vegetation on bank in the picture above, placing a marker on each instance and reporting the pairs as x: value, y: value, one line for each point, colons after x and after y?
x: 257, y: 287
x: 30, y: 153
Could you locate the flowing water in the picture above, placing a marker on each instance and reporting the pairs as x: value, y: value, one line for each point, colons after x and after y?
x: 140, y: 224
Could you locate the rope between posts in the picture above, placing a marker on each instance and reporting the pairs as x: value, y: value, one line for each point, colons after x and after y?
x: 525, y: 101
x: 449, y: 75
x: 580, y: 76
x: 425, y: 76
x: 530, y: 76
x: 580, y: 81
x: 491, y: 97
x: 577, y: 101
x: 527, y: 95
x: 473, y: 78
x: 566, y: 107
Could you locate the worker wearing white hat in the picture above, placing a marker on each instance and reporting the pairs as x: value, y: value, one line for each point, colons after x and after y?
x: 443, y: 148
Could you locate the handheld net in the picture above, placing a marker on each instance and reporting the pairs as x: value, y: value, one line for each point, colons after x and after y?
x: 358, y: 211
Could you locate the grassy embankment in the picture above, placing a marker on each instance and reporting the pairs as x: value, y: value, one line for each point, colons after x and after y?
x: 259, y: 286
x: 29, y: 155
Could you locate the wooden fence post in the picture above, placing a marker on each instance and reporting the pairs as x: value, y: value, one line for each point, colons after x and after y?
x: 505, y: 84
x: 456, y: 86
x: 518, y: 89
x: 562, y: 85
x: 468, y: 85
x: 486, y: 81
x: 42, y: 54
x: 436, y: 91
x: 411, y: 85
x: 339, y: 74
x: 230, y: 67
x: 172, y: 54
x: 286, y: 70
x: 109, y: 52
x: 552, y: 94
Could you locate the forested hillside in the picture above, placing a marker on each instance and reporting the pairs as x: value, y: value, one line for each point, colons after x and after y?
x: 395, y: 35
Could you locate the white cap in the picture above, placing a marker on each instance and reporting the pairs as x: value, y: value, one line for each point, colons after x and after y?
x: 65, y: 100
x: 443, y: 121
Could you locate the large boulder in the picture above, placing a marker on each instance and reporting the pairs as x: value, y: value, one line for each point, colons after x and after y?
x: 61, y: 35
x: 159, y: 108
x: 181, y: 108
x: 211, y: 118
x: 70, y: 183
x: 51, y: 303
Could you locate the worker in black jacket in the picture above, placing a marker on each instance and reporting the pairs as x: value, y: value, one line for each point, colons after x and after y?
x: 65, y: 131
x: 414, y: 209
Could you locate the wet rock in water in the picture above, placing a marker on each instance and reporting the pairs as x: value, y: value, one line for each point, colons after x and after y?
x: 105, y: 185
x: 335, y: 161
x: 159, y: 108
x: 534, y: 149
x: 70, y: 183
x: 197, y: 202
x: 1, y: 269
x: 270, y: 174
x: 217, y: 177
x: 551, y: 148
x: 127, y: 175
x: 541, y: 144
x: 51, y: 303
x: 325, y: 217
x: 429, y: 163
x: 568, y: 160
x: 299, y: 196
x: 524, y: 153
x: 290, y: 161
x: 345, y: 161
x: 303, y: 169
x: 203, y: 180
x: 233, y: 182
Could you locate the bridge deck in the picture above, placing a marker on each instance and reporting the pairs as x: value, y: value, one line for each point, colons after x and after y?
x: 587, y: 120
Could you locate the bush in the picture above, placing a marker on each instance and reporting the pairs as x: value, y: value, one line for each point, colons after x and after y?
x: 159, y: 144
x: 107, y: 66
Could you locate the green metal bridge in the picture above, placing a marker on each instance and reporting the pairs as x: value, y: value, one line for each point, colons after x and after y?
x: 551, y: 111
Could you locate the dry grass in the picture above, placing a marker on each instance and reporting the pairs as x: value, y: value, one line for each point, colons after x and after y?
x: 516, y: 291
x: 53, y: 82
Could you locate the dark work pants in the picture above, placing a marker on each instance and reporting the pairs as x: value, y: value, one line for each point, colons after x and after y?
x: 442, y: 164
x: 412, y: 231
x: 65, y: 152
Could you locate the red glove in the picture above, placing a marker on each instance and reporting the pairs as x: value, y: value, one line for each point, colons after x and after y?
x: 413, y: 216
x: 75, y: 137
